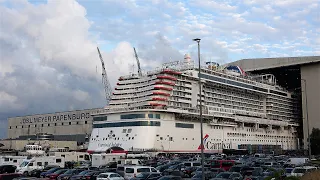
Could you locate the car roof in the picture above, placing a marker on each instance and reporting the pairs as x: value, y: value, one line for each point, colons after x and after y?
x: 108, y: 173
x: 134, y: 166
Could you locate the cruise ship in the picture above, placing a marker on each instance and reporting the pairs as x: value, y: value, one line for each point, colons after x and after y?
x: 159, y: 111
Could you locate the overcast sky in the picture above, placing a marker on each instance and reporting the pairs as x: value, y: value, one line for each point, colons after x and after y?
x: 48, y: 57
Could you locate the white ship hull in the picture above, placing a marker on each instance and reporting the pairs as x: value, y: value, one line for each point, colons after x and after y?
x: 166, y: 137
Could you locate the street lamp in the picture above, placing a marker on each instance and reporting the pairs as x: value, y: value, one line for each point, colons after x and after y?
x: 200, y: 108
x: 307, y: 118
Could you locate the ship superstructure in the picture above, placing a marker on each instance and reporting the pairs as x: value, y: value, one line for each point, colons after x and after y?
x: 159, y: 111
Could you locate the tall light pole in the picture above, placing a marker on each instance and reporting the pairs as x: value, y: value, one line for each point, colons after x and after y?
x: 307, y: 118
x: 200, y: 108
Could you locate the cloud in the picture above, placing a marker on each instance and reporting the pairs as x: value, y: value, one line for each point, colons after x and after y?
x: 213, y: 5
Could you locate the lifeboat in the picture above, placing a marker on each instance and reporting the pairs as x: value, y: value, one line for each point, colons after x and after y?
x: 165, y: 82
x: 161, y: 93
x: 167, y: 77
x: 163, y: 88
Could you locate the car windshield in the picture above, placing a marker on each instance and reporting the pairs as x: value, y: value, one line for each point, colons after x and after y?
x: 299, y: 170
x: 142, y: 175
x: 24, y: 163
x: 83, y: 172
x: 103, y: 176
x: 223, y: 175
x: 168, y: 178
x: 198, y: 175
x: 60, y: 171
x: 70, y: 171
x: 52, y: 170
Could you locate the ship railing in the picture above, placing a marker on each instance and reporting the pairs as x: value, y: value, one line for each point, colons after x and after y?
x: 260, y: 121
x: 122, y: 109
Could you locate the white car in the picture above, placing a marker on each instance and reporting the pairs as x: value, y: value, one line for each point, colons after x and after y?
x: 109, y: 176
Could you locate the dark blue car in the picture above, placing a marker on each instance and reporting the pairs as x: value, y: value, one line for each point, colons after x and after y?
x: 43, y: 174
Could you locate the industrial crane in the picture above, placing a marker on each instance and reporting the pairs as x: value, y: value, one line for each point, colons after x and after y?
x: 138, y: 62
x: 105, y: 81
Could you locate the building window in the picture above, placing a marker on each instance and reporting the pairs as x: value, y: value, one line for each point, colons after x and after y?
x: 21, y: 126
x: 86, y: 122
x: 77, y: 122
x: 62, y: 124
x: 69, y: 123
x: 48, y: 124
x: 184, y: 125
x: 16, y: 127
x: 10, y: 127
x: 35, y: 125
x: 55, y: 124
x: 41, y: 125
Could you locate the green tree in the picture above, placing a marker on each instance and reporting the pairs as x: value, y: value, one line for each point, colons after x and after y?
x: 315, y: 141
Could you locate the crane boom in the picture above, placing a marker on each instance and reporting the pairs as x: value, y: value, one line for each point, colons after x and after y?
x: 138, y: 62
x: 105, y: 80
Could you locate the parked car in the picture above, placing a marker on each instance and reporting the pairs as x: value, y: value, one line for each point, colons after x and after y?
x: 7, y: 169
x: 147, y: 176
x: 109, y: 176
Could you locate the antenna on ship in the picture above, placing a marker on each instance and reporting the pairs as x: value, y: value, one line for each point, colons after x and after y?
x: 138, y: 62
x: 105, y: 81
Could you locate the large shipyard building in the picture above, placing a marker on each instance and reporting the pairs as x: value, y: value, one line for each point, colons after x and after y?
x: 297, y: 74
x: 67, y: 126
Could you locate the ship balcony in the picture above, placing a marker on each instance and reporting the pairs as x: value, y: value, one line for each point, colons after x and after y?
x: 180, y: 100
x: 160, y: 93
x: 137, y: 85
x: 131, y: 100
x: 271, y: 98
x: 163, y: 87
x: 158, y: 103
x: 130, y: 96
x: 222, y: 123
x: 134, y: 90
x: 128, y: 79
x: 141, y: 79
x: 169, y: 83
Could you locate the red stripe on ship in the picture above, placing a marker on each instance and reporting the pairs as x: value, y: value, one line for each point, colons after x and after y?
x: 170, y: 72
x: 167, y: 77
x: 165, y: 82
x: 159, y: 99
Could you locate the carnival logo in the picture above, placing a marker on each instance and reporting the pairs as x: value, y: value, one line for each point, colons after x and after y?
x: 213, y: 145
x: 204, y: 141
